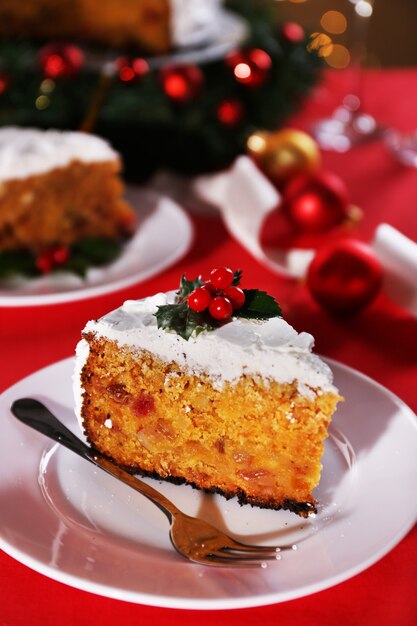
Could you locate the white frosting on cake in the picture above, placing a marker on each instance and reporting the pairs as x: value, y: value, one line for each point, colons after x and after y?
x: 31, y: 151
x: 194, y: 22
x: 270, y: 349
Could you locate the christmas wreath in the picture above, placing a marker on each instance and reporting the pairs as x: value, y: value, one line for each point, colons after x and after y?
x: 191, y: 117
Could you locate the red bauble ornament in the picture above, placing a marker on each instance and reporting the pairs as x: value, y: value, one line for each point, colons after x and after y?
x: 4, y: 82
x: 131, y: 70
x: 293, y: 32
x: 182, y: 83
x: 250, y: 67
x: 230, y: 112
x: 59, y: 60
x: 317, y: 201
x: 345, y: 276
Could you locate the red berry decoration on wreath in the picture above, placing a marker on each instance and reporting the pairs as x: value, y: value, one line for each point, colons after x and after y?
x: 182, y: 83
x: 230, y: 112
x: 345, y: 276
x: 59, y: 60
x: 250, y: 67
x: 131, y: 70
x: 293, y: 32
x: 205, y: 305
x: 315, y: 202
x: 4, y: 82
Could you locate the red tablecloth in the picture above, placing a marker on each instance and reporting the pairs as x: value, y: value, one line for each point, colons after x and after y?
x: 382, y: 342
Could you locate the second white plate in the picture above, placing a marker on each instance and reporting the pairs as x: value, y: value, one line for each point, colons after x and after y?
x: 164, y: 234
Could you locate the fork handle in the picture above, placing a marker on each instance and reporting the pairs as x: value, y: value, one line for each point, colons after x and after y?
x: 36, y: 415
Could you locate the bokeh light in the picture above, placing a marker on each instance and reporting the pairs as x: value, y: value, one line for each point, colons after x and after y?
x: 363, y: 8
x: 321, y: 43
x: 256, y: 143
x: 334, y: 22
x: 42, y: 102
x: 47, y: 86
x: 242, y: 71
x: 339, y: 57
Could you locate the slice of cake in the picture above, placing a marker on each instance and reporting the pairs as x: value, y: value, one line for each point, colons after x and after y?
x: 57, y: 188
x: 208, y: 386
x: 155, y: 26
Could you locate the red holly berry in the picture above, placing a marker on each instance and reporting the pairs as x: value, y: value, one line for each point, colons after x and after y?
x: 221, y: 277
x: 48, y: 259
x: 199, y: 299
x: 44, y: 262
x: 210, y: 288
x: 345, y: 276
x: 60, y: 255
x: 236, y: 297
x: 220, y: 308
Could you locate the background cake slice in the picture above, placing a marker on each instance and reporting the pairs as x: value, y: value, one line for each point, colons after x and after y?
x: 155, y: 26
x: 57, y: 188
x: 242, y: 408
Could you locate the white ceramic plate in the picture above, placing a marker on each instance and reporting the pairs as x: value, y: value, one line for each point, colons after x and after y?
x: 163, y: 236
x: 203, y: 46
x: 68, y: 520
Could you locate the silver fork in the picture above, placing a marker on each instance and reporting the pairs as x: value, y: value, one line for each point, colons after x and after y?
x: 193, y: 538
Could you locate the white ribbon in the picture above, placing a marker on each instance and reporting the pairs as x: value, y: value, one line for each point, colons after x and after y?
x: 245, y: 197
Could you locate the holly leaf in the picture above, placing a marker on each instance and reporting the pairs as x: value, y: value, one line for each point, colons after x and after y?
x: 259, y: 305
x: 182, y: 320
x: 77, y: 264
x: 96, y: 250
x: 17, y: 262
x: 172, y: 317
x: 91, y: 251
x: 237, y: 278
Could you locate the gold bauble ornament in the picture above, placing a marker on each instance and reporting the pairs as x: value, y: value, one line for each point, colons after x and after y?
x: 284, y: 153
